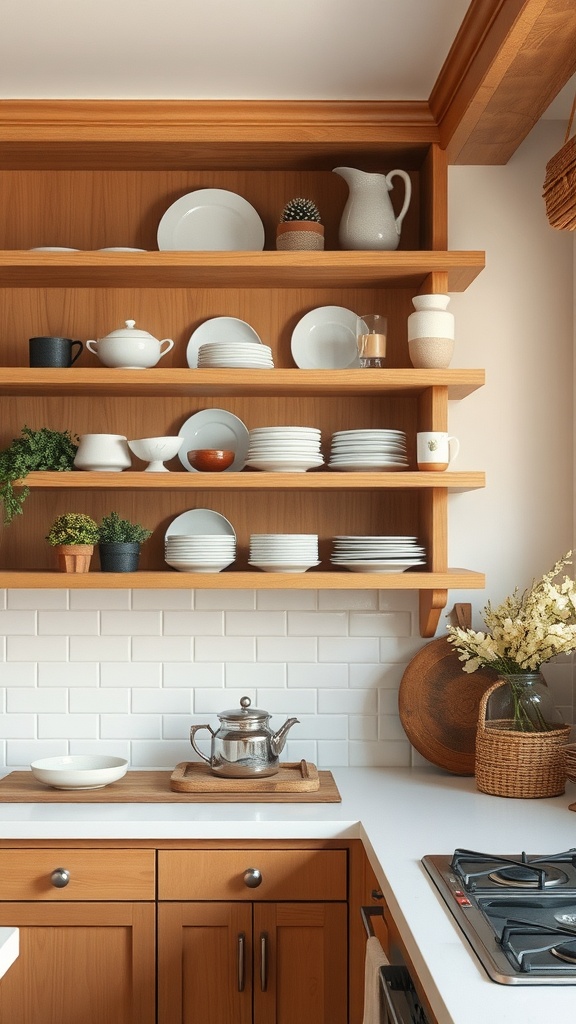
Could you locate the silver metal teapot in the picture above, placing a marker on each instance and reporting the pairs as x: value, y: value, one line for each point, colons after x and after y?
x: 244, y: 746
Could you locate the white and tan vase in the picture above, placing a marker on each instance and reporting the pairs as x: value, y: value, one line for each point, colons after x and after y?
x: 431, y: 332
x: 292, y: 235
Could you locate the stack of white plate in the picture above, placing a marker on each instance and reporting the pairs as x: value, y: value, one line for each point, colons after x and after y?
x: 284, y: 552
x: 377, y: 554
x: 200, y: 553
x: 200, y: 540
x: 368, y: 450
x: 284, y: 449
x: 251, y: 355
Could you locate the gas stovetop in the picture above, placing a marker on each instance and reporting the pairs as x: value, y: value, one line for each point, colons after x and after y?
x: 518, y: 912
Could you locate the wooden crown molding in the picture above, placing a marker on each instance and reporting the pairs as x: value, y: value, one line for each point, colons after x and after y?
x: 508, y: 62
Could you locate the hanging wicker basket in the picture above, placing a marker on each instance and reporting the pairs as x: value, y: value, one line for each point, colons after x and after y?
x: 518, y: 764
x: 560, y: 183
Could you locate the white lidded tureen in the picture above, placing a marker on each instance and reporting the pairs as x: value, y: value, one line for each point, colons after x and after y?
x: 129, y: 348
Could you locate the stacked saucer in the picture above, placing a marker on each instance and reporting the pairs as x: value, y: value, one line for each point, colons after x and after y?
x: 284, y: 449
x: 368, y: 450
x: 377, y: 554
x: 251, y: 355
x: 199, y: 552
x: 284, y: 552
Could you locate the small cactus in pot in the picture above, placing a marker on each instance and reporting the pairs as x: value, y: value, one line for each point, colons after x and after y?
x: 300, y: 226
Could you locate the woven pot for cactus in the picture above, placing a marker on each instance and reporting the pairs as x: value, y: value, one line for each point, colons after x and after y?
x: 299, y: 234
x: 560, y: 183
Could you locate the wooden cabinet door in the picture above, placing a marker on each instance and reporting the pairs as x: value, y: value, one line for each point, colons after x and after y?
x: 300, y: 963
x: 205, y: 963
x: 80, y: 963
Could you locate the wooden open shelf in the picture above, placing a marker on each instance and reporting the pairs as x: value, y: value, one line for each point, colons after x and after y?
x: 460, y: 579
x: 316, y: 480
x: 93, y: 174
x: 236, y: 270
x: 159, y: 382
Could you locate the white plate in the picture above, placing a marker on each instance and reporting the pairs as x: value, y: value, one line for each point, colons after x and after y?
x: 200, y: 521
x: 377, y: 566
x: 211, y: 219
x: 219, y: 328
x: 284, y: 566
x: 203, y: 567
x: 325, y: 339
x: 120, y: 248
x: 287, y: 465
x: 78, y: 772
x: 363, y: 467
x: 214, y: 428
x: 312, y: 432
x: 53, y: 248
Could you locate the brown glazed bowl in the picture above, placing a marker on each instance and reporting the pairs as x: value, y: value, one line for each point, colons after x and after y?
x: 211, y: 460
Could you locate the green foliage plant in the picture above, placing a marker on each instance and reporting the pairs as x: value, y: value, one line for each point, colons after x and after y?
x: 35, y: 450
x: 114, y: 530
x: 73, y: 528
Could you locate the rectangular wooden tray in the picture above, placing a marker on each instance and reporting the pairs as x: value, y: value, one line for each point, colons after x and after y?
x: 152, y: 787
x: 292, y: 777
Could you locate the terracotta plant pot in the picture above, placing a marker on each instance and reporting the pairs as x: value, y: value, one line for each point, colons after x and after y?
x: 74, y: 557
x: 299, y: 234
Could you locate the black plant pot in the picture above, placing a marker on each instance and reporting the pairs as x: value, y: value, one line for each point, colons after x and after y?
x: 121, y: 557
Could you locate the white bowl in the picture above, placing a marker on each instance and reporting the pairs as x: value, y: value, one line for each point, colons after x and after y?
x: 71, y: 772
x: 156, y: 451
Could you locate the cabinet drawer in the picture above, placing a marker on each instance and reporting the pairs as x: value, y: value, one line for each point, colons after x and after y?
x: 94, y: 874
x: 221, y: 874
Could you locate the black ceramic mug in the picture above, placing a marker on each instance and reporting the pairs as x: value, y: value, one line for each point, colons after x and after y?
x: 53, y: 351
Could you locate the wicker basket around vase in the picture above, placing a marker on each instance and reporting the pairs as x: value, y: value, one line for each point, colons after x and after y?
x: 518, y: 764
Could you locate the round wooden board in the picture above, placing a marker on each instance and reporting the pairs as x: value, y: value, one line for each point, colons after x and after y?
x: 439, y: 704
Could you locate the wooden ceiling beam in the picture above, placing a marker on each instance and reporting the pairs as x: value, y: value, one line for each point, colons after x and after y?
x: 509, y: 60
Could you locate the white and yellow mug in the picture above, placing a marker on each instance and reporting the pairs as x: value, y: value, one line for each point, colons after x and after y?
x: 435, y: 450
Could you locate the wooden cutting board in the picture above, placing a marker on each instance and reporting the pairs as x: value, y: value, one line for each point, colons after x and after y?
x: 141, y: 787
x: 439, y: 703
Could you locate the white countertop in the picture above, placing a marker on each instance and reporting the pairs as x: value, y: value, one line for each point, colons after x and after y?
x: 401, y: 815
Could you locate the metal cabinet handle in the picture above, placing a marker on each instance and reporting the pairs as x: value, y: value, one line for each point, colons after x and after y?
x: 264, y: 961
x: 60, y: 877
x: 252, y: 878
x: 241, y: 942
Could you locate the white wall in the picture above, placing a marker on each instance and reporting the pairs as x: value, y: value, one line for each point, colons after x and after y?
x: 128, y: 672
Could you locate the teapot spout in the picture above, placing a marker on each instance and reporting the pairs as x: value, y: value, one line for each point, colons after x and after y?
x: 278, y: 740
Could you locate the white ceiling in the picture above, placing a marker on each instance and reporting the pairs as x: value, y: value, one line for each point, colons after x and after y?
x: 225, y: 49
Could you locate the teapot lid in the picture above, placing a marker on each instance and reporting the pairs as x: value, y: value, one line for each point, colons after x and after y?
x: 245, y: 713
x: 130, y: 332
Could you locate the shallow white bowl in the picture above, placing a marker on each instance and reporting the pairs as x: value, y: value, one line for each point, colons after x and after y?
x: 77, y: 772
x: 156, y: 451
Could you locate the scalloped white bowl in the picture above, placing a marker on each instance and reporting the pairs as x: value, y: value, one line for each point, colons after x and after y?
x: 78, y: 772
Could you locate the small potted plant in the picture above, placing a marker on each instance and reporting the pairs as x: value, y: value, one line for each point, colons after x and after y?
x: 35, y: 450
x: 119, y: 543
x: 73, y: 535
x: 300, y: 226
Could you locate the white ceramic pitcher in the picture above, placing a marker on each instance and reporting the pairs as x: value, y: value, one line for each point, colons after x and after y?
x: 368, y: 220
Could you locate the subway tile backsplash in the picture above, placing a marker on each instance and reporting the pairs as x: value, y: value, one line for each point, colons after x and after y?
x: 127, y: 672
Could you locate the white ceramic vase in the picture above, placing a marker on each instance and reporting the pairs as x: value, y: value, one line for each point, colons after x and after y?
x: 431, y: 332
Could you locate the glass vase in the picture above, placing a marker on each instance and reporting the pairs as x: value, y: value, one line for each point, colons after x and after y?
x: 524, y: 703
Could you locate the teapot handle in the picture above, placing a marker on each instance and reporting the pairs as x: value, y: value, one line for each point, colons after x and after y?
x: 407, y: 194
x: 89, y: 346
x: 169, y: 344
x: 193, y: 730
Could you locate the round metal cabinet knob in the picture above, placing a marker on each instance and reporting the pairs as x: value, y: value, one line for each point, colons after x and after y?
x: 252, y: 878
x: 60, y: 877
